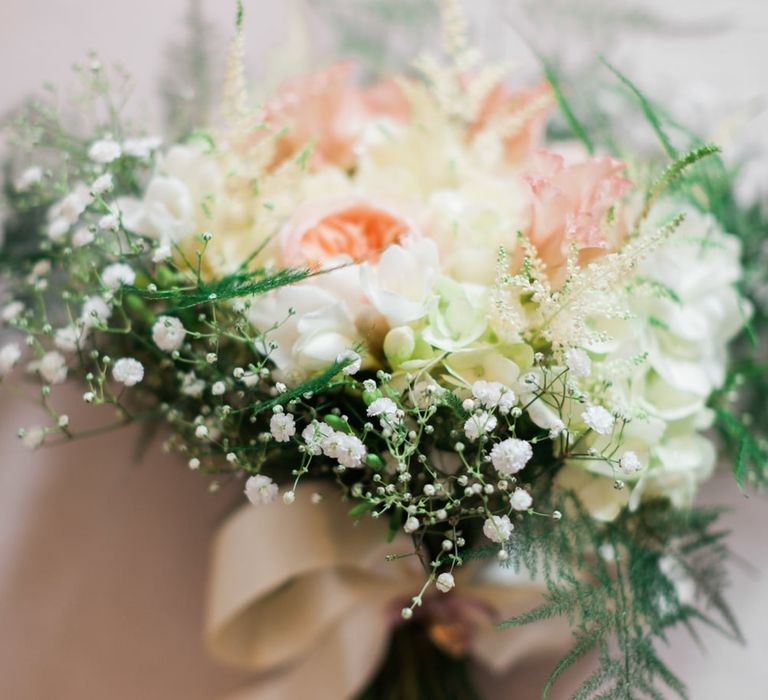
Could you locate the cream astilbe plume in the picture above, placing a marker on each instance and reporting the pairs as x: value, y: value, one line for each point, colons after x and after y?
x: 462, y: 86
x: 235, y: 92
x: 595, y: 291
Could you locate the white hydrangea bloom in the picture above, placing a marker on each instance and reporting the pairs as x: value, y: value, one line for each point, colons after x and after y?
x: 118, y: 275
x: 282, y: 426
x: 10, y: 354
x: 53, y: 367
x: 511, y: 455
x: 128, y: 371
x: 598, y: 419
x: 104, y: 151
x: 445, y: 582
x: 498, y: 528
x: 168, y: 333
x: 260, y: 489
x: 479, y: 424
x: 520, y: 500
x: 578, y: 362
x: 96, y: 312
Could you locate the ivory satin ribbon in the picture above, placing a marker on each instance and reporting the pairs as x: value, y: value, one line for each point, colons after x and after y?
x: 303, y: 596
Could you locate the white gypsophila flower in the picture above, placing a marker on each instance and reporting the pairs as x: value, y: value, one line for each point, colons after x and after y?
x: 33, y: 437
x: 384, y: 407
x: 426, y: 394
x: 82, y: 237
x: 109, y: 222
x: 102, y: 184
x: 498, y: 528
x: 141, y: 147
x: 69, y: 338
x: 118, y: 275
x: 192, y: 386
x: 41, y: 268
x: 128, y: 371
x: 355, y: 361
x: 218, y: 388
x: 57, y: 229
x: 507, y: 402
x: 162, y: 252
x: 168, y: 333
x: 488, y: 394
x: 630, y: 463
x: 12, y: 311
x: 511, y: 455
x: 10, y: 355
x: 104, y: 151
x: 53, y: 367
x: 479, y: 424
x: 201, y: 432
x: 578, y: 362
x: 260, y: 490
x: 598, y: 419
x: 411, y: 525
x: 520, y: 499
x: 445, y: 582
x: 350, y: 451
x: 30, y: 177
x: 96, y: 312
x: 314, y: 436
x: 250, y: 379
x: 70, y: 207
x: 282, y: 426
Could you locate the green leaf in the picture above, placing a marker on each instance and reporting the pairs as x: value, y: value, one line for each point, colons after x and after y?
x: 361, y: 508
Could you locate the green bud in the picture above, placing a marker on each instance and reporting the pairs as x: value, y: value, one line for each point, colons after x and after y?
x: 337, y: 423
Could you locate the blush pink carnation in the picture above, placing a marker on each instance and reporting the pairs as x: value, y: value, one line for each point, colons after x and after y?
x: 570, y: 205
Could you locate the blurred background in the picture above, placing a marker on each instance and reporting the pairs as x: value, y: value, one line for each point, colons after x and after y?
x: 102, y: 556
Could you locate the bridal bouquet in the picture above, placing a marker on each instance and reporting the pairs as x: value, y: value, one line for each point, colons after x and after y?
x: 429, y: 338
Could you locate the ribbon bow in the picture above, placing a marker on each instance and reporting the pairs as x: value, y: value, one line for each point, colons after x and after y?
x: 306, y: 598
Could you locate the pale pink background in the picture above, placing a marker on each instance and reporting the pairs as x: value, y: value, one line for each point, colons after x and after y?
x: 103, y: 559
